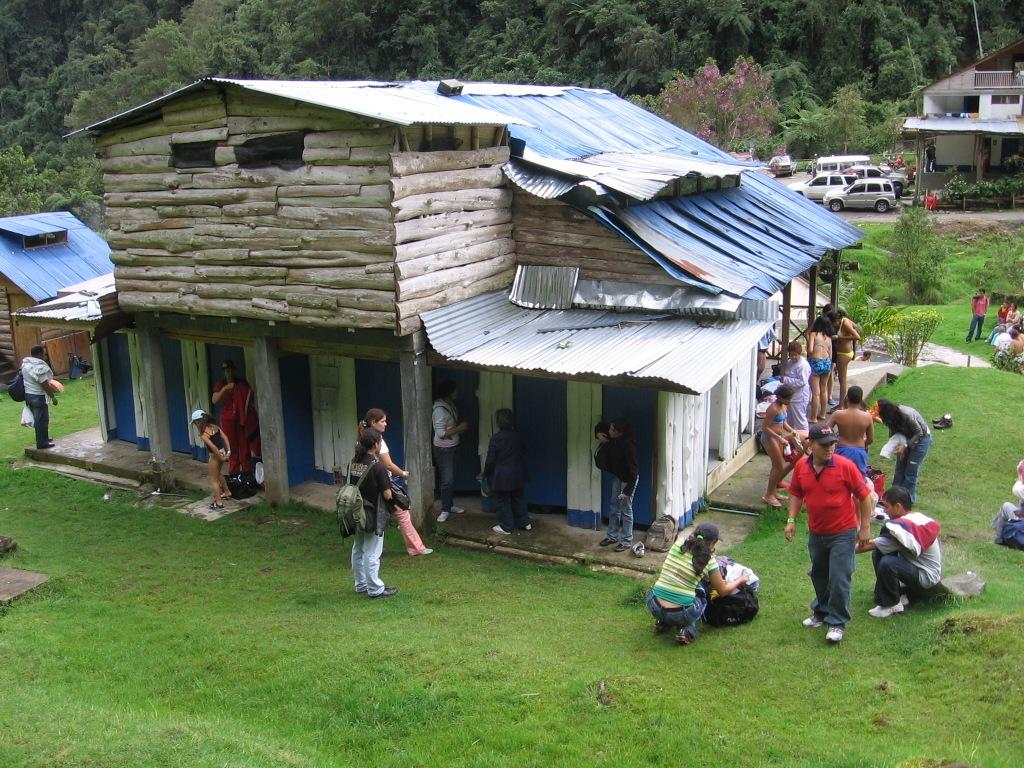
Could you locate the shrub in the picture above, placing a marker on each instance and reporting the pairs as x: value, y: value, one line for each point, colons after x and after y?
x: 910, y: 332
x: 873, y: 317
x: 918, y: 256
x: 955, y: 189
x: 1007, y: 361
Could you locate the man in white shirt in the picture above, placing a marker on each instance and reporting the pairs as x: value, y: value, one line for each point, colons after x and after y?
x: 447, y: 428
x: 40, y: 386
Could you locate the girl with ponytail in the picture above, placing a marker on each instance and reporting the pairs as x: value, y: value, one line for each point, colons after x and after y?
x: 678, y: 600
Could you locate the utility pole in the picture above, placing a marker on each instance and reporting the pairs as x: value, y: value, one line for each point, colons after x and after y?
x: 977, y: 27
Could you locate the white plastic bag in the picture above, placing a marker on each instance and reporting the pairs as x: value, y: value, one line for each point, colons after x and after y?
x: 26, y: 418
x: 889, y: 449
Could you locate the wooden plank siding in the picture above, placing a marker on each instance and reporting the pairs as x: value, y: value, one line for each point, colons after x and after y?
x: 551, y: 233
x: 361, y: 234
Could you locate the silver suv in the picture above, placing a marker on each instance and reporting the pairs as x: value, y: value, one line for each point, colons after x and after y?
x: 864, y: 193
x: 898, y: 178
x: 816, y: 188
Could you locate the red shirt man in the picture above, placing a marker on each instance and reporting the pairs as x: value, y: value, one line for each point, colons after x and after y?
x: 828, y: 485
x: 979, y: 307
x: 237, y: 417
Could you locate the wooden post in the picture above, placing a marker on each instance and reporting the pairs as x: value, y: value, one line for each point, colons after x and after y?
x: 919, y: 155
x: 787, y: 313
x: 154, y: 397
x: 416, y: 407
x: 833, y: 294
x: 267, y: 375
x: 979, y: 170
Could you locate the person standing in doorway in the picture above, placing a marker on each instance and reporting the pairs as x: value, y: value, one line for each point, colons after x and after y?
x: 828, y: 485
x: 620, y: 457
x: 505, y: 469
x: 979, y: 307
x: 41, y: 388
x: 929, y: 158
x: 447, y: 429
x: 237, y: 405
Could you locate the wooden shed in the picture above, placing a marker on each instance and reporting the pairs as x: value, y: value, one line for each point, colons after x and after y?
x: 41, y: 254
x: 306, y: 229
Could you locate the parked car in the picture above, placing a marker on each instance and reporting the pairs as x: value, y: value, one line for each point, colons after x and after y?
x: 898, y: 178
x: 782, y: 165
x: 816, y: 188
x: 864, y: 193
x: 836, y: 163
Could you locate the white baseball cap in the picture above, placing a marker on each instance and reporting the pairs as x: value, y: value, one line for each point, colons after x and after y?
x: 198, y: 414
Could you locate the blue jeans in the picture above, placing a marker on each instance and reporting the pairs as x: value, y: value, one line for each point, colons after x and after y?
x: 41, y: 416
x: 366, y: 551
x: 444, y: 459
x: 685, y: 619
x: 832, y: 565
x: 975, y: 330
x: 892, y: 571
x: 909, y: 465
x: 620, y: 516
x: 511, y: 509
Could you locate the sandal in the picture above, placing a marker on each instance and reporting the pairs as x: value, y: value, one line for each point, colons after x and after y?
x: 777, y: 503
x: 216, y: 505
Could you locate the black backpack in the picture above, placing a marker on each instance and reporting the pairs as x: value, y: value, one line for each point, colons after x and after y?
x: 16, y: 388
x: 738, y: 608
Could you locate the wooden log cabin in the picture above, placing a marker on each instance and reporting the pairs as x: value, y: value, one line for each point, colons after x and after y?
x: 41, y: 254
x: 307, y: 230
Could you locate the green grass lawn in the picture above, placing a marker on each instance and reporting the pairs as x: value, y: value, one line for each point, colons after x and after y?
x: 161, y: 640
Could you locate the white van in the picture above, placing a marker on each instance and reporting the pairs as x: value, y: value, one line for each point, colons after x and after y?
x: 836, y: 163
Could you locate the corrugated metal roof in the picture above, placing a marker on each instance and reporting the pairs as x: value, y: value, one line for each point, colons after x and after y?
x: 541, y: 287
x: 31, y: 225
x: 399, y: 103
x: 1008, y: 126
x: 676, y: 353
x: 76, y: 304
x: 42, y: 272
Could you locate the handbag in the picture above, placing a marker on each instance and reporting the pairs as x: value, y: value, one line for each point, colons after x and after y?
x: 399, y: 495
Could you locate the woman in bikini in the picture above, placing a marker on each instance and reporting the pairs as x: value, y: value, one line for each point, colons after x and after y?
x: 775, y: 434
x: 219, y: 448
x: 819, y: 342
x: 844, y: 340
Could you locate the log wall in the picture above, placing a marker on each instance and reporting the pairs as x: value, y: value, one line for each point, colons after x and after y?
x: 6, y: 336
x: 376, y: 224
x: 551, y: 233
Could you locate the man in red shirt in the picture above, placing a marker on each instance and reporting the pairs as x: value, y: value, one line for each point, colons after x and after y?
x: 238, y: 417
x: 828, y: 484
x: 979, y: 307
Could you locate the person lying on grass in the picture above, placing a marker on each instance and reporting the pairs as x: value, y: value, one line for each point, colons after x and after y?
x: 677, y: 600
x: 906, y: 554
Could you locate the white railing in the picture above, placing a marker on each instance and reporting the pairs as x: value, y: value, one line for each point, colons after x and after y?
x: 998, y: 80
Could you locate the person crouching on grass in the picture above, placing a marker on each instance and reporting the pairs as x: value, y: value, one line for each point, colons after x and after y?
x: 219, y: 448
x: 677, y: 600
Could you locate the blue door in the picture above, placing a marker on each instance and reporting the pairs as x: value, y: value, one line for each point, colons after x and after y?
x: 468, y: 464
x: 177, y: 409
x: 379, y: 385
x: 541, y: 420
x: 640, y: 408
x: 121, y: 387
x: 297, y: 406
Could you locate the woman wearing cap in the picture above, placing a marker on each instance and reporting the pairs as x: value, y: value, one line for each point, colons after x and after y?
x: 219, y: 448
x: 678, y: 600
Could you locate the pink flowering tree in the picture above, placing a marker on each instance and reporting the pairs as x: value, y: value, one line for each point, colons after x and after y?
x: 732, y: 110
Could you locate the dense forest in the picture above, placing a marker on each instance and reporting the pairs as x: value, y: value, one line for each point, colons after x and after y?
x: 66, y: 63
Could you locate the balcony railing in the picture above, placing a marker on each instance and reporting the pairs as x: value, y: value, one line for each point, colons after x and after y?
x: 999, y: 80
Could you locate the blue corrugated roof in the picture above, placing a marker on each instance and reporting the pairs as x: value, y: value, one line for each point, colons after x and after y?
x: 41, y: 272
x: 572, y: 123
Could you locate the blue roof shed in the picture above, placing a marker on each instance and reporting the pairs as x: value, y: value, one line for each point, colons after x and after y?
x: 42, y: 253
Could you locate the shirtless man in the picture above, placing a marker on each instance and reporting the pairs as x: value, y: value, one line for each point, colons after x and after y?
x: 842, y: 345
x: 856, y: 429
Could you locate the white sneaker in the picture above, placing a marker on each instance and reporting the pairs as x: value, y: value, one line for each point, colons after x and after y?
x: 442, y: 517
x: 502, y: 531
x: 813, y: 622
x: 881, y: 612
x: 427, y: 551
x: 458, y: 510
x: 835, y: 635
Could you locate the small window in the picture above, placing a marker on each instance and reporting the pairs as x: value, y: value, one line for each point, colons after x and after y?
x: 41, y: 241
x: 1005, y: 99
x: 197, y: 154
x: 283, y: 150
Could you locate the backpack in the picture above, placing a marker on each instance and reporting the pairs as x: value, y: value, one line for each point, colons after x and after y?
x: 1013, y: 534
x: 16, y: 388
x: 729, y: 611
x: 349, y: 506
x: 662, y: 534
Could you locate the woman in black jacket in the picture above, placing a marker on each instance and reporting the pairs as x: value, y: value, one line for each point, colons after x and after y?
x: 368, y: 544
x: 505, y: 470
x: 619, y: 458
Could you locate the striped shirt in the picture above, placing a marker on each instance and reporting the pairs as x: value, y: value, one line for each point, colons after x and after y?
x: 678, y: 580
